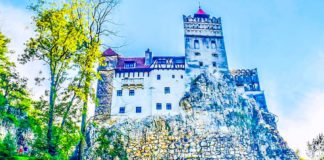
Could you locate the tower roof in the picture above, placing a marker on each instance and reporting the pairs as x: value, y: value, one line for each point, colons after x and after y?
x: 109, y: 52
x: 201, y: 13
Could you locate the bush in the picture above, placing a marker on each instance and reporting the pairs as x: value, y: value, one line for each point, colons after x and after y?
x: 8, y: 146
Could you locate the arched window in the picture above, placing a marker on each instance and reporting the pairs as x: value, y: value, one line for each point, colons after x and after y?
x: 196, y: 44
x: 213, y: 44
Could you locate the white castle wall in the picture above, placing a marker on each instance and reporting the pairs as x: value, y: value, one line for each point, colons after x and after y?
x: 151, y: 93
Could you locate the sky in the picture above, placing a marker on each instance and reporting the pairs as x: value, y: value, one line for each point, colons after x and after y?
x: 283, y: 39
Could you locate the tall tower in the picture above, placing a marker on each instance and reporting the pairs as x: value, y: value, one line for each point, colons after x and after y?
x: 204, y: 44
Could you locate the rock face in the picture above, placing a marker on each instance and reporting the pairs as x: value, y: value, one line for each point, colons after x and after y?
x: 216, y: 123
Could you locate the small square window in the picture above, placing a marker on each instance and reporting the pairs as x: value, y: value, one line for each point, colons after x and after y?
x: 131, y: 92
x: 168, y: 106
x: 158, y: 106
x: 138, y: 109
x: 119, y: 92
x: 173, y: 76
x: 215, y: 55
x: 214, y: 64
x: 122, y: 110
x: 167, y: 90
x: 201, y: 64
x: 158, y: 77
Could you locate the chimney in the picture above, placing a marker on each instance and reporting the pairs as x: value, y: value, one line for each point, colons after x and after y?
x: 148, y: 57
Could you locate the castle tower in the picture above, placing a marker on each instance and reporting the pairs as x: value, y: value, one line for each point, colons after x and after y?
x: 204, y: 44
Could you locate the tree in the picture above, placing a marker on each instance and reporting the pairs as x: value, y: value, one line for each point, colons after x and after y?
x: 59, y: 35
x: 96, y: 14
x: 12, y: 88
x: 8, y: 146
x: 315, y: 149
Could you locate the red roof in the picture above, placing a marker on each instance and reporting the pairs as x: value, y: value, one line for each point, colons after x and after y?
x: 200, y: 11
x: 109, y: 52
x: 140, y: 62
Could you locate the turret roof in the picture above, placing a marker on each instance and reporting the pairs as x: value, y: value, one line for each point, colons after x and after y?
x: 109, y: 52
x: 201, y: 13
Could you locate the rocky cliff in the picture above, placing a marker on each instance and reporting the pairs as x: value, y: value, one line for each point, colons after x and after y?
x: 216, y: 123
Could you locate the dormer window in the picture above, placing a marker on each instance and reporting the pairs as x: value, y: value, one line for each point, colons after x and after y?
x: 130, y: 64
x: 213, y: 44
x: 196, y: 44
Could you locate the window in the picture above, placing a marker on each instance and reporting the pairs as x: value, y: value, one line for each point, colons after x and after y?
x: 213, y: 44
x: 196, y: 44
x: 158, y: 106
x: 119, y: 92
x: 173, y: 76
x: 201, y: 64
x: 122, y: 110
x: 130, y: 64
x: 168, y: 106
x: 167, y: 90
x: 215, y: 55
x: 181, y: 76
x: 214, y: 64
x: 197, y: 54
x: 158, y: 77
x: 131, y: 92
x: 162, y: 61
x: 139, y: 109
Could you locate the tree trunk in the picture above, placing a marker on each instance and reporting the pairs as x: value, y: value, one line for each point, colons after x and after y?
x: 84, y: 118
x: 50, y: 140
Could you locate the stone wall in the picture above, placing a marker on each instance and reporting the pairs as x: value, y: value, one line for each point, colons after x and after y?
x: 215, y: 123
x: 104, y: 94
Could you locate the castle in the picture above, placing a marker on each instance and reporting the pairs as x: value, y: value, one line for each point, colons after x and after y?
x: 136, y: 87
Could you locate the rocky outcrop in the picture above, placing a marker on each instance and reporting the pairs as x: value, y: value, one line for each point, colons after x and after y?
x: 216, y: 123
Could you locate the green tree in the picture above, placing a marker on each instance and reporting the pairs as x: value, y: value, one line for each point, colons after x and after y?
x: 96, y: 15
x: 59, y: 35
x: 13, y: 91
x: 8, y: 146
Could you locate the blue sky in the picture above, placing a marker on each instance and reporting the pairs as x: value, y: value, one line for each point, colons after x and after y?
x: 284, y: 39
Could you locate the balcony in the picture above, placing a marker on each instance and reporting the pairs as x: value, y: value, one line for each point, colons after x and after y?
x: 133, y: 83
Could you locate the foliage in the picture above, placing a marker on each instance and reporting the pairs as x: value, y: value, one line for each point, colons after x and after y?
x: 315, y: 148
x: 299, y: 156
x: 8, y: 146
x: 68, y: 39
x: 110, y: 145
x: 15, y: 102
x: 59, y: 37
